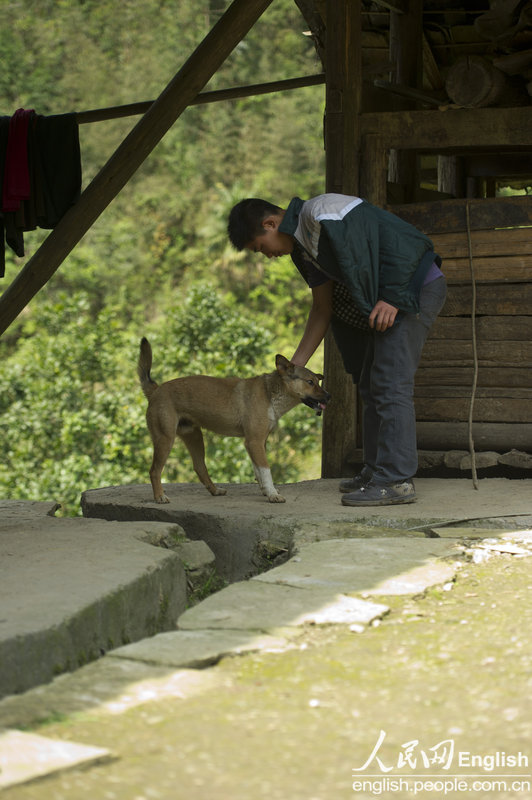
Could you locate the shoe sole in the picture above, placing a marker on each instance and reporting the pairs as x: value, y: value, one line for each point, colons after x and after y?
x: 389, y: 501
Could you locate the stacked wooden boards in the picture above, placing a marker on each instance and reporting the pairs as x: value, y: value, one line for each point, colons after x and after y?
x: 498, y: 234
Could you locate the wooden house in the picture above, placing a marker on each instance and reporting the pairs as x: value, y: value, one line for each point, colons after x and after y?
x: 428, y: 114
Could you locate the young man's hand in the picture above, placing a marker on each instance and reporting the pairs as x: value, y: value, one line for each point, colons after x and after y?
x: 382, y: 316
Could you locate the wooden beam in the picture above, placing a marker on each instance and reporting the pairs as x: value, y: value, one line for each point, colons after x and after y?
x: 449, y: 216
x: 452, y: 129
x: 459, y: 353
x: 417, y: 95
x: 493, y: 328
x: 374, y: 170
x: 314, y: 19
x: 499, y: 436
x: 491, y: 299
x: 235, y: 92
x: 343, y: 96
x: 492, y: 242
x: 406, y: 53
x: 400, y: 6
x: 342, y: 154
x: 492, y: 404
x: 406, y: 44
x: 463, y: 376
x: 131, y: 153
x: 511, y: 269
x: 431, y: 71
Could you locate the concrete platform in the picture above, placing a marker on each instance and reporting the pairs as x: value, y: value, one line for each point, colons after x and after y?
x: 246, y: 533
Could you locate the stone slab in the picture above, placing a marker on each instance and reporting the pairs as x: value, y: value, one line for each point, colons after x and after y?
x: 259, y: 606
x: 197, y: 648
x: 16, y: 510
x: 71, y: 589
x: 105, y: 687
x: 27, y: 756
x: 371, y: 566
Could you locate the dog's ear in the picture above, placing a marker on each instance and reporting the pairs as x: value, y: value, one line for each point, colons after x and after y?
x: 283, y: 364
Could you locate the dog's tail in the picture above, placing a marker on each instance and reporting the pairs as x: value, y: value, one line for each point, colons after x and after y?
x: 144, y: 366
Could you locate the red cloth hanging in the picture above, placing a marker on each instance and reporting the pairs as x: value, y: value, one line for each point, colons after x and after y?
x: 17, y: 186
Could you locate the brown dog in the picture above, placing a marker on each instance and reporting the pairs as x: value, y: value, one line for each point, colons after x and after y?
x: 246, y: 407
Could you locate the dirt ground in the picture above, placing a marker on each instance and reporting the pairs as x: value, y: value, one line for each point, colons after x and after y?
x: 444, y: 679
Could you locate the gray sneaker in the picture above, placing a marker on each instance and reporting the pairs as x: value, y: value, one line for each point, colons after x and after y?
x: 385, y: 495
x: 352, y: 484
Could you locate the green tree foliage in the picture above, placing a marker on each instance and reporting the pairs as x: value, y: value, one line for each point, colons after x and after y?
x: 157, y: 262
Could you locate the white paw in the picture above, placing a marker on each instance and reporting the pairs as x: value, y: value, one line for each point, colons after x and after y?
x: 162, y: 499
x: 276, y: 498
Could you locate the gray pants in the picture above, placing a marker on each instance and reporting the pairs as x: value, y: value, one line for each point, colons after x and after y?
x: 387, y: 389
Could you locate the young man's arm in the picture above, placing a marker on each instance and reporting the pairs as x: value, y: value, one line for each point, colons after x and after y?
x: 317, y: 323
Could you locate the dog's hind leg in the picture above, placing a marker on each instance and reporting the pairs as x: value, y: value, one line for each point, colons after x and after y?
x: 162, y: 445
x: 257, y: 452
x: 192, y: 437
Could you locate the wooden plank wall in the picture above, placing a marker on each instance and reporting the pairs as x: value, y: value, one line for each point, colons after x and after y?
x: 502, y: 259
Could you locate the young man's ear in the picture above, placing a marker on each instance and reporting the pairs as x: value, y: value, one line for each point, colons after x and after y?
x: 271, y: 223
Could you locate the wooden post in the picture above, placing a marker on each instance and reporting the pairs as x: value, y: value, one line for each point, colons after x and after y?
x: 343, y: 78
x: 406, y: 53
x: 182, y: 89
x: 343, y: 105
x: 374, y: 172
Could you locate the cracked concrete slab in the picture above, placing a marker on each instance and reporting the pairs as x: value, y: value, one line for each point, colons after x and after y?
x: 197, y: 648
x: 371, y: 566
x: 236, y: 525
x: 437, y: 499
x: 259, y: 606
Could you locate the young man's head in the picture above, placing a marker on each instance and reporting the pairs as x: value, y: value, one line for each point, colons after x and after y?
x: 253, y: 225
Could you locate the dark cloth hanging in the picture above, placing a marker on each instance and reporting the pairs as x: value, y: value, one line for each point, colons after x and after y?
x: 51, y: 164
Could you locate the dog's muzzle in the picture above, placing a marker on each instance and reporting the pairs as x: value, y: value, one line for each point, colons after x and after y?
x: 317, y: 405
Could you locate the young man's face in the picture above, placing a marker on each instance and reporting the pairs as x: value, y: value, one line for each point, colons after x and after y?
x: 272, y: 243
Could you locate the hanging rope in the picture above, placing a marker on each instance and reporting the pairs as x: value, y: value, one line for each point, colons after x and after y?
x: 475, y: 355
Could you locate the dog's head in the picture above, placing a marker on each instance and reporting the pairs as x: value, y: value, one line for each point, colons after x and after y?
x: 303, y: 383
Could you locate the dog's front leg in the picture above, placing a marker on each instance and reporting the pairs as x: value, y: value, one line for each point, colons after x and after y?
x: 257, y: 453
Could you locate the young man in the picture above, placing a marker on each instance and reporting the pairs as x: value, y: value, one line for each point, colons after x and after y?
x: 376, y: 280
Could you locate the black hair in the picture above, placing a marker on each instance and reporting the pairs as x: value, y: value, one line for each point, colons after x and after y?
x: 245, y: 220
